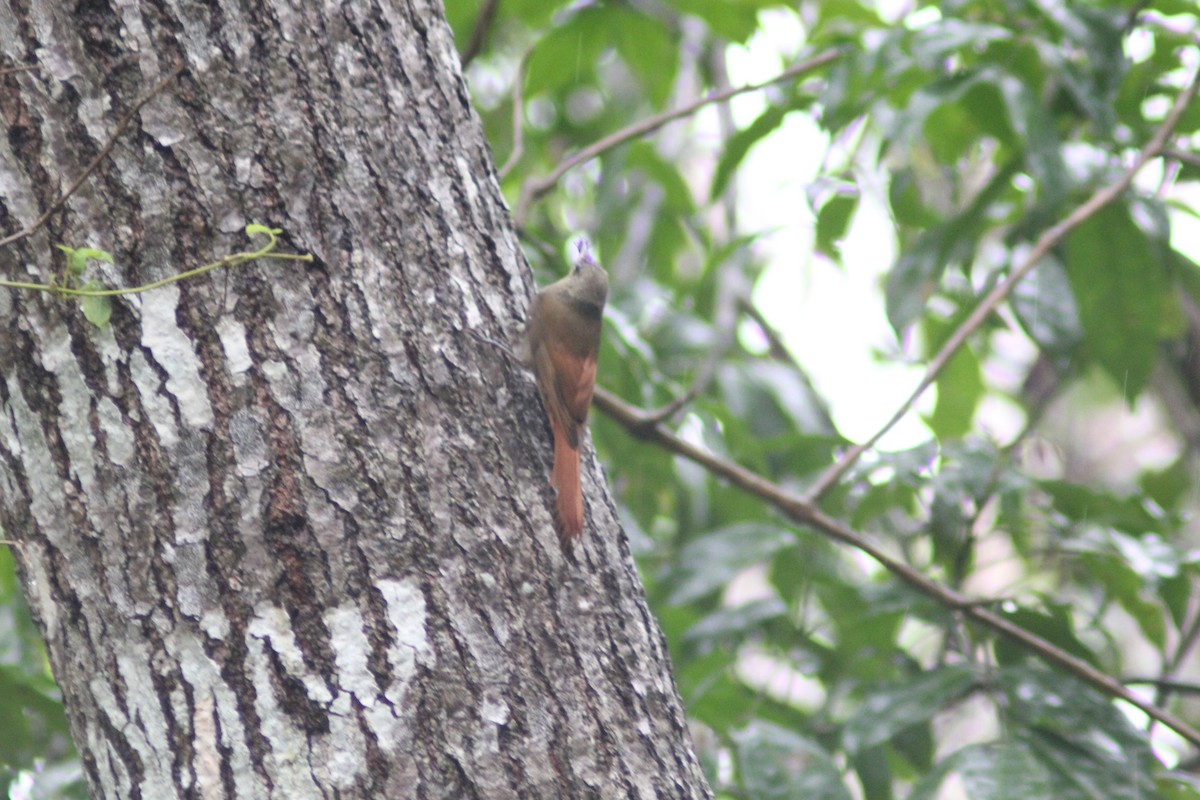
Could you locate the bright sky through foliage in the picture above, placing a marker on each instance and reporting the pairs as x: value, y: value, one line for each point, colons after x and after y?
x: 833, y: 319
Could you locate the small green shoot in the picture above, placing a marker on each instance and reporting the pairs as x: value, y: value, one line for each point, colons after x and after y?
x: 97, y: 300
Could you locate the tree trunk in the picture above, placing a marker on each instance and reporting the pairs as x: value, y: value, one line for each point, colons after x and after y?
x: 286, y: 527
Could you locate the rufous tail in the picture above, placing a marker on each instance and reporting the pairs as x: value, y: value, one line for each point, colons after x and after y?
x: 568, y: 504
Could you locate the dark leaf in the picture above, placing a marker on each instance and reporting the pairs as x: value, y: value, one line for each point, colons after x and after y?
x: 1053, y: 624
x: 1005, y: 770
x: 1045, y: 307
x: 832, y: 221
x: 1122, y: 293
x: 707, y: 563
x: 776, y: 764
x: 740, y: 143
x: 887, y: 712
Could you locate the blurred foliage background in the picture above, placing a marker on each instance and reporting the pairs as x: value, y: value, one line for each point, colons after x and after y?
x: 1050, y: 474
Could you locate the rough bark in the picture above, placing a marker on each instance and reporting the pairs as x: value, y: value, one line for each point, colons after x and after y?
x: 286, y: 529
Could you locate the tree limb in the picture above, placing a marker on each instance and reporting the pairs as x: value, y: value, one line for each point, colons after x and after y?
x: 802, y: 511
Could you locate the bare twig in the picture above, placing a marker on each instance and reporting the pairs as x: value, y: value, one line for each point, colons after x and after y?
x: 95, y: 162
x: 483, y: 24
x: 518, y: 120
x: 534, y: 188
x: 704, y: 377
x: 725, y: 322
x: 1165, y: 685
x: 775, y: 344
x: 1183, y: 156
x: 22, y: 68
x: 1052, y: 237
x: 803, y: 512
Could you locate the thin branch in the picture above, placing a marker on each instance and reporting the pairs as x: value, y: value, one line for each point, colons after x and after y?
x: 775, y: 344
x: 725, y: 321
x: 483, y: 24
x: 535, y: 188
x: 1051, y: 238
x: 1165, y: 684
x: 803, y: 512
x: 1183, y: 156
x: 704, y: 377
x: 22, y: 68
x: 518, y: 119
x: 95, y: 162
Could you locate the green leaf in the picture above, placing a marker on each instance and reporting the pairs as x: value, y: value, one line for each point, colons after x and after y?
x: 1005, y: 770
x: 1054, y: 625
x: 904, y: 197
x: 885, y: 713
x: 836, y: 19
x: 77, y: 258
x: 732, y: 20
x: 646, y: 46
x: 1090, y: 748
x: 1149, y: 557
x: 1045, y: 306
x: 96, y: 255
x: 943, y: 39
x: 76, y: 263
x: 1086, y: 505
x: 713, y: 694
x: 16, y: 742
x: 534, y: 14
x: 1177, y: 786
x: 1107, y: 570
x: 774, y: 763
x: 775, y: 402
x: 1176, y: 595
x: 874, y: 773
x: 1034, y: 128
x: 1131, y: 568
x: 643, y: 157
x: 740, y: 143
x: 707, y: 563
x: 959, y: 388
x: 832, y: 222
x: 567, y: 55
x: 968, y: 107
x: 254, y: 229
x: 913, y: 280
x: 1122, y: 292
x: 97, y: 310
x: 736, y: 623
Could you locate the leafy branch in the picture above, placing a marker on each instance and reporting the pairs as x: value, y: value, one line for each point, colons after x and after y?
x: 803, y: 512
x: 803, y: 509
x: 1051, y: 238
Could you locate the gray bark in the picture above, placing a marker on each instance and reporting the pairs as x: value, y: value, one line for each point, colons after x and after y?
x: 286, y: 528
